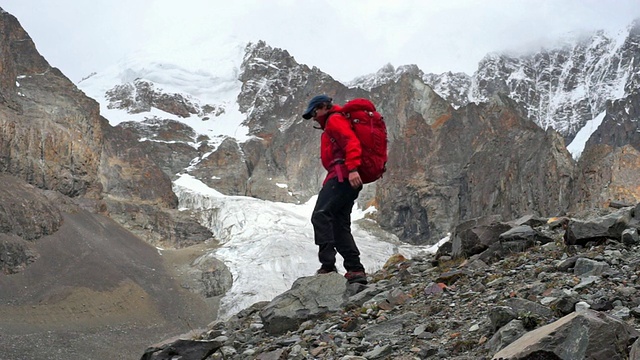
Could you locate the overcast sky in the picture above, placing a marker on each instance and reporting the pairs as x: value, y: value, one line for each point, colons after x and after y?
x: 343, y: 38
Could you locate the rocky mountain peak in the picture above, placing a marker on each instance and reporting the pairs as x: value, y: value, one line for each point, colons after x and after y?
x: 141, y: 96
x: 387, y: 73
x: 272, y: 74
x: 565, y: 86
x: 452, y: 87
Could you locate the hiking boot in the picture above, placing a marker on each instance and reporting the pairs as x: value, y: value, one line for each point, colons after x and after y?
x: 324, y: 270
x: 356, y: 277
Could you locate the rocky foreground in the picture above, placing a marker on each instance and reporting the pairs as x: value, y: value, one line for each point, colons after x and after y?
x: 533, y: 288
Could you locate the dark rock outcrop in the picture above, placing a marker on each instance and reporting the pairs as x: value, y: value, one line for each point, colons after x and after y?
x: 609, y: 166
x: 26, y: 215
x: 224, y: 169
x: 461, y: 164
x: 140, y: 96
x: 184, y: 349
x: 25, y: 211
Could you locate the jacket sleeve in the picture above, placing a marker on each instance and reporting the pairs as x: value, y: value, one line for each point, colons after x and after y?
x: 339, y: 129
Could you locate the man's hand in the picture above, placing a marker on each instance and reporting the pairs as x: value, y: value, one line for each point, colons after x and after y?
x: 355, y: 180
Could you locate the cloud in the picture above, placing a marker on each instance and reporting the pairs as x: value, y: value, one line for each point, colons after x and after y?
x: 343, y: 38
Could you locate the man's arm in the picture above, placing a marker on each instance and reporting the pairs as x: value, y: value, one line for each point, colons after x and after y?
x: 339, y: 128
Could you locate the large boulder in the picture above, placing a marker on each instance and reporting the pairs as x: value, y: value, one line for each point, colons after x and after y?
x: 609, y: 226
x: 477, y: 235
x: 580, y: 335
x: 309, y: 298
x: 183, y: 347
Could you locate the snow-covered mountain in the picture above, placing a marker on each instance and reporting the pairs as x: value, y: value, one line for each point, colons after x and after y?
x: 562, y: 86
x: 207, y: 88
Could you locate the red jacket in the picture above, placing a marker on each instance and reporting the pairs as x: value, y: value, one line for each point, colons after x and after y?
x: 339, y: 147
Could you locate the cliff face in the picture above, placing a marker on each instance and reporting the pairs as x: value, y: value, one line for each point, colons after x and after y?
x: 53, y: 137
x: 50, y: 133
x: 609, y: 167
x: 448, y: 165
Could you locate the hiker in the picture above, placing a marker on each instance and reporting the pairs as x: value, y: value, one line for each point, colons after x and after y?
x: 340, y: 154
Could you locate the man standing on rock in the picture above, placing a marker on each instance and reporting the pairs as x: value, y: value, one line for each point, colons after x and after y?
x: 340, y: 153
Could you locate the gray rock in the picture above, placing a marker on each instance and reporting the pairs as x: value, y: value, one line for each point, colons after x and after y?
x: 630, y: 236
x: 564, y: 304
x: 500, y: 316
x: 476, y: 235
x: 531, y: 220
x: 634, y: 353
x: 215, y: 278
x: 587, y: 267
x: 611, y: 226
x: 390, y: 327
x: 309, y: 297
x: 507, y: 334
x: 522, y: 237
x: 379, y: 352
x: 183, y: 349
x: 529, y: 307
x: 587, y: 334
x: 567, y: 264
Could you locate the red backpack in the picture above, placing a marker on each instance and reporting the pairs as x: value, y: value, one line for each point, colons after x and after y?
x: 371, y: 130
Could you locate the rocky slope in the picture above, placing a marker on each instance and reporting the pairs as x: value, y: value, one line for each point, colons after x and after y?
x: 522, y: 294
x: 76, y: 284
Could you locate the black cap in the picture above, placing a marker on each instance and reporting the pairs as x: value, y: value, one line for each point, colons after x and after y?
x: 317, y: 100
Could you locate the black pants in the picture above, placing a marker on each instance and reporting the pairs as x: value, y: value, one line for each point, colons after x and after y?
x: 331, y: 221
